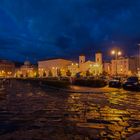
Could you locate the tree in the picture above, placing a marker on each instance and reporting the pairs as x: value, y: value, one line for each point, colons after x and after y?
x: 50, y: 73
x: 59, y: 73
x: 44, y: 74
x: 87, y: 73
x: 68, y: 73
x: 26, y: 75
x: 104, y: 73
x: 21, y: 75
x: 36, y: 74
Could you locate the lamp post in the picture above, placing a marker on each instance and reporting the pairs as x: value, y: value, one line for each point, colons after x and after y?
x: 138, y: 67
x: 117, y: 53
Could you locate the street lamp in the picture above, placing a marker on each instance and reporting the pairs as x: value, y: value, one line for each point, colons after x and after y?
x: 113, y: 52
x: 138, y: 59
x: 117, y: 53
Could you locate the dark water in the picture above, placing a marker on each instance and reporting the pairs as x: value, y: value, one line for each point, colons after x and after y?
x: 28, y: 112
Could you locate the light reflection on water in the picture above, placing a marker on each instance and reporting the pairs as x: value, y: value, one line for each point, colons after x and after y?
x: 114, y: 113
x: 31, y: 112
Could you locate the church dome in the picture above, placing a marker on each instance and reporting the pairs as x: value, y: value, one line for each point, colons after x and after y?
x: 27, y: 63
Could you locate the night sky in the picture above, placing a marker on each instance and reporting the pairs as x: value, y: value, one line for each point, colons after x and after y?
x: 36, y: 29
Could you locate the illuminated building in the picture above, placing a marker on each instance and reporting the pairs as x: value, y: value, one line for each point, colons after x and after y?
x: 123, y: 66
x: 7, y: 68
x: 57, y: 67
x: 107, y: 68
x: 94, y: 67
x: 27, y: 70
x: 74, y: 69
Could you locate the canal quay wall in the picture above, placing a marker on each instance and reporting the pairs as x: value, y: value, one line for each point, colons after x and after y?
x: 66, y: 82
x: 42, y: 82
x: 60, y: 85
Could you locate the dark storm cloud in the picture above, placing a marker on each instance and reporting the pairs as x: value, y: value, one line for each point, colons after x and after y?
x: 54, y: 28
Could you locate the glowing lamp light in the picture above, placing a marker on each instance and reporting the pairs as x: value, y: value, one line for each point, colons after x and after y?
x: 113, y: 52
x: 119, y: 53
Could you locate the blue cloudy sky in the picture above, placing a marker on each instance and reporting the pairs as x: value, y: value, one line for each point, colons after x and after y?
x: 37, y: 29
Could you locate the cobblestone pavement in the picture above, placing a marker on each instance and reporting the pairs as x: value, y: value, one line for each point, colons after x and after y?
x: 28, y: 112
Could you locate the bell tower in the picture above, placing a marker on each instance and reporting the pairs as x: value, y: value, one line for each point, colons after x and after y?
x: 82, y: 59
x: 99, y: 58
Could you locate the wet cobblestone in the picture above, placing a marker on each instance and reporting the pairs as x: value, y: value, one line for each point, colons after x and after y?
x: 28, y: 112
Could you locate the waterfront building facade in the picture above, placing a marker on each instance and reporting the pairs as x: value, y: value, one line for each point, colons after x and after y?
x: 93, y: 68
x: 63, y: 67
x: 53, y: 67
x: 124, y: 66
x: 7, y: 68
x: 27, y: 70
x: 73, y: 69
x: 107, y: 68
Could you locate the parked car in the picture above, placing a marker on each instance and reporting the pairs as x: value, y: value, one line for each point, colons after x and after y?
x: 132, y: 83
x: 115, y: 82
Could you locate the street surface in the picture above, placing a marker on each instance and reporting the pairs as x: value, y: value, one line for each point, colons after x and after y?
x: 28, y: 112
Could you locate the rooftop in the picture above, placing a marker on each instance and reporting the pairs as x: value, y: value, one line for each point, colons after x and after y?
x: 6, y: 62
x: 53, y: 59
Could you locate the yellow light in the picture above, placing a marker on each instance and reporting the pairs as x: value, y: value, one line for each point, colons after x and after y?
x: 113, y: 52
x: 119, y: 53
x: 9, y: 73
x: 96, y: 65
x: 3, y: 71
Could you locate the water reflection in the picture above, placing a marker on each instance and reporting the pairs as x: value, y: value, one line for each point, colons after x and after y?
x: 114, y: 115
x: 28, y: 112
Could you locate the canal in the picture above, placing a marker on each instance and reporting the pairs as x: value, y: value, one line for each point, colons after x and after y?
x: 29, y: 112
